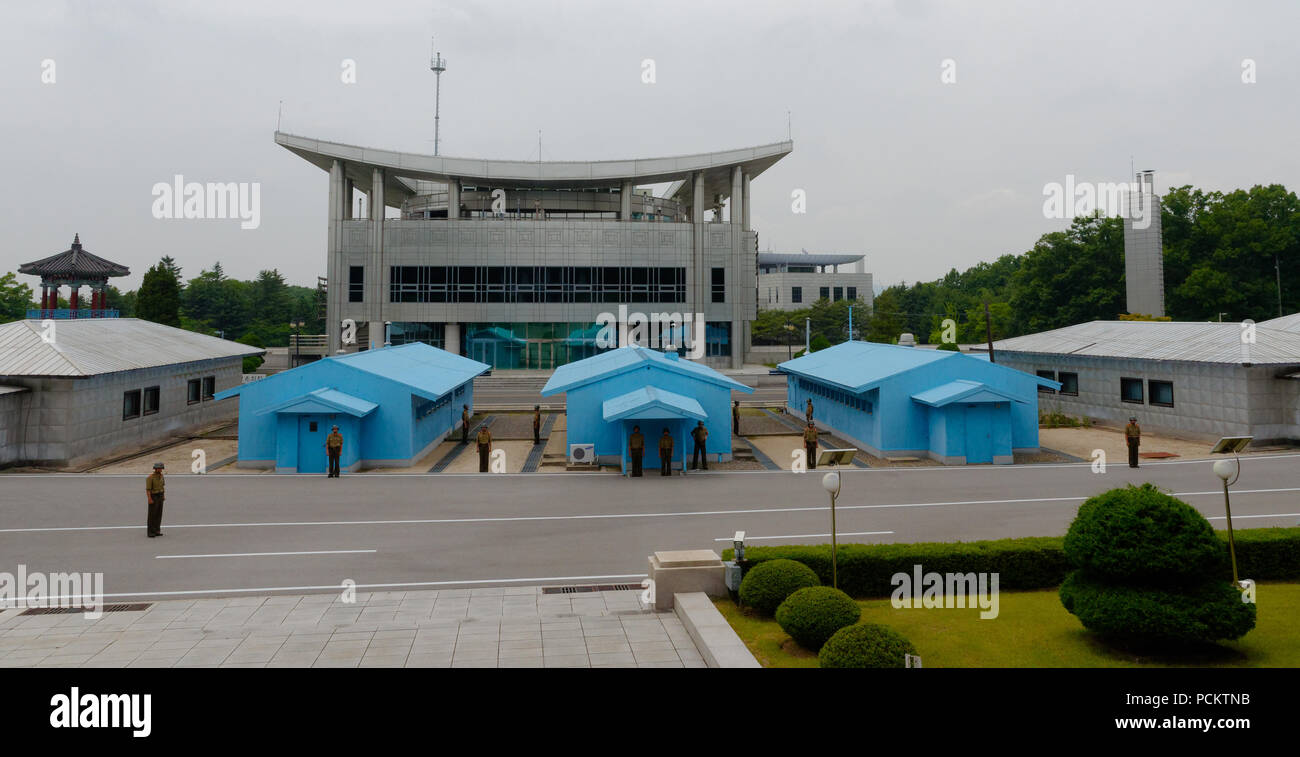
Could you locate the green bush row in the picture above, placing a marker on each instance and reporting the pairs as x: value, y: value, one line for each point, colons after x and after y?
x: 1036, y: 562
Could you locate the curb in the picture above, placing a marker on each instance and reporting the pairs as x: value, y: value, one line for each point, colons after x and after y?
x: 713, y: 635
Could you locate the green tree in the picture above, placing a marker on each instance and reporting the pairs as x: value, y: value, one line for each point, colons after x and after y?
x: 15, y: 298
x: 1071, y: 276
x: 159, y: 296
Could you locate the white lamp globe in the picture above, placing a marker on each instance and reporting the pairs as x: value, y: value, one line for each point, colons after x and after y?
x: 831, y: 482
x: 1224, y: 469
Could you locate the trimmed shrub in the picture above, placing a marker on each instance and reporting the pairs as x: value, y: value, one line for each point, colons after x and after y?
x: 811, y: 615
x: 766, y: 586
x: 865, y: 646
x: 1150, y: 570
x: 1039, y: 562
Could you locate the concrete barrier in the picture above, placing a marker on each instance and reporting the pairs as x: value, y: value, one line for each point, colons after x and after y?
x: 713, y: 636
x: 684, y: 571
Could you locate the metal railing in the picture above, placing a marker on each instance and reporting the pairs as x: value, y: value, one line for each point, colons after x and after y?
x: 307, y: 341
x: 57, y: 313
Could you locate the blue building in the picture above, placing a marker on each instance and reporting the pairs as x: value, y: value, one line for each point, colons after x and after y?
x: 392, y: 405
x: 907, y: 401
x: 607, y: 394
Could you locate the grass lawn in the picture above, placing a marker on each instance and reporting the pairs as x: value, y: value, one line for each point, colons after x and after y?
x: 1033, y: 630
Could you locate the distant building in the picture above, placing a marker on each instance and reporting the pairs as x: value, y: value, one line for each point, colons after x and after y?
x: 77, y: 390
x: 1144, y: 252
x: 895, y: 401
x: 792, y: 281
x: 606, y: 395
x: 393, y: 405
x: 1197, y: 378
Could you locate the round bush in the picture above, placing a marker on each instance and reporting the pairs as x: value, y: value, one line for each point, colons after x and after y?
x: 767, y: 584
x: 1139, y: 533
x: 1201, y: 614
x: 813, y: 614
x: 865, y: 646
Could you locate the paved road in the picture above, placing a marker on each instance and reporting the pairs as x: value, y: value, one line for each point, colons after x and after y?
x: 466, y: 530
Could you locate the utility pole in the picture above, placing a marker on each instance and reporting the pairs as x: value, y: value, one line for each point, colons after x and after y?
x: 1277, y: 267
x: 437, y: 64
x: 988, y: 330
x: 807, y: 336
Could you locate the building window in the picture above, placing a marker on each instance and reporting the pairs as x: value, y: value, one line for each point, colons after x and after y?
x: 717, y: 339
x: 719, y: 285
x: 209, y: 387
x: 1050, y: 376
x: 131, y: 404
x: 851, y: 293
x: 796, y: 294
x: 356, y: 282
x: 824, y: 293
x: 1069, y: 383
x: 1162, y: 393
x: 192, y: 391
x: 1130, y: 390
x: 839, y: 293
x: 151, y: 396
x: 533, y: 284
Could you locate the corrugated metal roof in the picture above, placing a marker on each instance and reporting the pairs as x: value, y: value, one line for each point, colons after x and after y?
x: 1161, y: 340
x: 92, y: 346
x: 652, y: 402
x: 571, y: 375
x: 1285, y: 323
x: 961, y: 390
x: 427, y: 369
x: 857, y: 365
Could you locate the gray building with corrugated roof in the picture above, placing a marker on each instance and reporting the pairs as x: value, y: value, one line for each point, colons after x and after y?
x: 1203, y: 379
x: 76, y: 390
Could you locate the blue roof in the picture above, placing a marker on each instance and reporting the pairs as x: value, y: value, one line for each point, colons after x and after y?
x: 425, y: 370
x: 323, y: 400
x: 652, y: 402
x: 572, y: 375
x: 964, y: 391
x: 858, y: 366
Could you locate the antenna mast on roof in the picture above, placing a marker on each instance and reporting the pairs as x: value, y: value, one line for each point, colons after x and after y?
x: 437, y: 64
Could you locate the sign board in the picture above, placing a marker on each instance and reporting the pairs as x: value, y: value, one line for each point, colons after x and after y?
x: 836, y: 456
x: 1231, y: 444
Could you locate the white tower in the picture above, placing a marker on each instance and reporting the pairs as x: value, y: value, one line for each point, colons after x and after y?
x: 437, y: 64
x: 1144, y: 255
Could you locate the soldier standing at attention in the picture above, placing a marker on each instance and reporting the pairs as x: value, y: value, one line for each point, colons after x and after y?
x: 666, y: 454
x: 1133, y: 435
x: 735, y: 418
x: 334, y: 448
x: 809, y: 412
x: 635, y: 450
x: 537, y: 424
x: 484, y: 448
x: 700, y: 434
x: 464, y: 424
x: 810, y: 443
x: 153, y: 489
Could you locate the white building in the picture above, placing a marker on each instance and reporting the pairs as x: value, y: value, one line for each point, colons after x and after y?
x: 793, y: 281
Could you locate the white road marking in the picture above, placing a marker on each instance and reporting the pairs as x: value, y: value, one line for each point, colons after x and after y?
x: 1268, y: 515
x: 269, y: 554
x: 808, y: 536
x: 340, y: 587
x: 607, y: 516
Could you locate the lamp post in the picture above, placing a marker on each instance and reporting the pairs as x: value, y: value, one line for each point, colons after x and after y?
x: 789, y: 341
x: 831, y: 483
x: 1224, y: 470
x: 297, y: 343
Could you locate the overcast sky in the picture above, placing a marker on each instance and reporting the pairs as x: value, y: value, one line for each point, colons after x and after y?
x: 920, y: 175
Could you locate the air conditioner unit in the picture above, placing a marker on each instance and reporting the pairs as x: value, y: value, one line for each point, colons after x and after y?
x: 582, y: 454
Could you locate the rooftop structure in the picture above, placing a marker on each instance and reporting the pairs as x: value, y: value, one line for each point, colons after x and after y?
x: 83, y: 348
x: 791, y: 281
x: 75, y: 267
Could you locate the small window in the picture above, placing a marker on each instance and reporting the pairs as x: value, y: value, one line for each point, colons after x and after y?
x: 1130, y: 390
x: 209, y: 387
x: 192, y: 391
x: 131, y: 404
x: 356, y: 282
x: 719, y: 285
x: 151, y: 396
x: 1050, y: 376
x: 851, y: 293
x: 1069, y: 383
x: 825, y: 293
x: 796, y: 294
x: 311, y: 426
x: 1162, y: 393
x: 839, y: 293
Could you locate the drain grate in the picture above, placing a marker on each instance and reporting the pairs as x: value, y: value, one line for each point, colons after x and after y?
x: 137, y: 607
x: 584, y: 589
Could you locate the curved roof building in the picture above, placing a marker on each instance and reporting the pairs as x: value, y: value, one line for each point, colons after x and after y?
x: 502, y: 260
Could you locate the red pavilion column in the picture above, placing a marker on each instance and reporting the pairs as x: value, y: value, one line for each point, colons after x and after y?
x: 73, y: 300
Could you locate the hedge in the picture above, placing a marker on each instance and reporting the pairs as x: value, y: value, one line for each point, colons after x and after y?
x: 1036, y: 562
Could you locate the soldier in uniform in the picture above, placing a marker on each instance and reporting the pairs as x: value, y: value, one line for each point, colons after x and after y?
x: 810, y: 443
x: 537, y: 424
x: 334, y: 448
x: 666, y: 454
x: 153, y: 489
x: 464, y: 424
x: 808, y: 413
x: 635, y: 450
x: 735, y: 418
x: 700, y: 434
x: 1133, y: 435
x: 484, y: 448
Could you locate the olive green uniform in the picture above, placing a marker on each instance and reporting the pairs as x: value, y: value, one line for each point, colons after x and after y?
x: 154, y: 491
x: 484, y: 448
x: 636, y: 450
x: 334, y: 448
x: 666, y: 455
x: 464, y: 427
x: 808, y: 413
x: 537, y: 427
x: 810, y: 446
x: 735, y: 419
x: 1133, y: 435
x: 700, y: 434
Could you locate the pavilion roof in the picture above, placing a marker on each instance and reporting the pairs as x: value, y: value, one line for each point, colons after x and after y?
x: 74, y: 263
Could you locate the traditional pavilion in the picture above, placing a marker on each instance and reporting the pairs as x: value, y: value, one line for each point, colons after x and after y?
x: 73, y: 268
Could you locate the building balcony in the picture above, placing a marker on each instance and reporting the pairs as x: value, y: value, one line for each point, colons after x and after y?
x: 64, y: 313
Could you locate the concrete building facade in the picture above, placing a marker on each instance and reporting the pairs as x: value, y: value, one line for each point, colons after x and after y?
x: 1144, y: 252
x: 513, y: 262
x: 795, y: 281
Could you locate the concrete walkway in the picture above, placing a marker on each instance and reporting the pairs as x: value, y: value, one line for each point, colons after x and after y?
x: 486, y: 627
